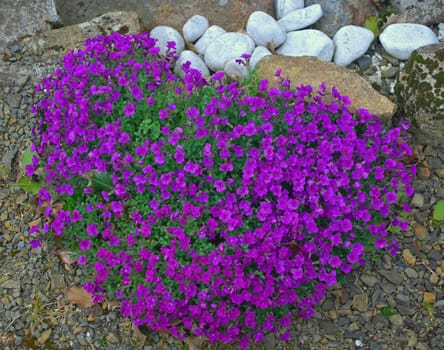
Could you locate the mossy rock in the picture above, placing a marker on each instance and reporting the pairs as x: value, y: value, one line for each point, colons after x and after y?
x: 420, y: 94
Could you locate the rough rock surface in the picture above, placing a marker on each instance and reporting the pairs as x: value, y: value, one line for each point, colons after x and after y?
x: 309, y: 70
x: 423, y: 11
x: 229, y: 14
x: 338, y: 13
x: 66, y: 38
x: 19, y: 18
x: 420, y: 93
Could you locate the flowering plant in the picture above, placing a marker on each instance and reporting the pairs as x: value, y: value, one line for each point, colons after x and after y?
x: 205, y: 209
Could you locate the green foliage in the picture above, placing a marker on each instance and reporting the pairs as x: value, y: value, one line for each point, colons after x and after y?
x: 375, y: 23
x: 28, y: 185
x: 27, y: 158
x: 102, y: 182
x: 438, y: 211
x: 371, y: 23
x: 387, y: 311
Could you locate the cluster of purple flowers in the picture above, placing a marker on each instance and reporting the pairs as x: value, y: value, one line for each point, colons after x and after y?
x: 242, y: 211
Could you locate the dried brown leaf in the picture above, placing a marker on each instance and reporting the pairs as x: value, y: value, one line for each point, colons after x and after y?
x: 67, y: 257
x: 113, y: 304
x: 195, y: 343
x: 89, y: 176
x: 79, y: 296
x: 35, y: 222
x: 137, y: 333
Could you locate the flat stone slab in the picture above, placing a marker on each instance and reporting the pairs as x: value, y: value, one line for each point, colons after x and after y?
x: 21, y: 18
x: 67, y: 38
x: 312, y: 71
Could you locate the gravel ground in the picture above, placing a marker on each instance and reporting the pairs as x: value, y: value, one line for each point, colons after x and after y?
x: 393, y: 303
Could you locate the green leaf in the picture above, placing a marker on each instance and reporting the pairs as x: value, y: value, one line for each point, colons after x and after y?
x: 428, y: 306
x: 387, y: 311
x: 102, y: 182
x: 394, y: 229
x: 371, y: 23
x: 28, y: 185
x: 27, y: 158
x: 438, y: 211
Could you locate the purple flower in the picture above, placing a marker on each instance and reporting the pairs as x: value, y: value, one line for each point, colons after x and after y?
x: 92, y: 229
x: 179, y: 156
x: 129, y: 109
x: 219, y: 185
x: 192, y: 112
x: 81, y: 260
x: 84, y: 244
x: 35, y: 243
x: 218, y: 76
x: 391, y: 197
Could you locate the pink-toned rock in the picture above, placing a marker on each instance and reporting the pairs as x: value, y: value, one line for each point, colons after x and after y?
x: 229, y: 14
x: 311, y: 71
x: 232, y: 16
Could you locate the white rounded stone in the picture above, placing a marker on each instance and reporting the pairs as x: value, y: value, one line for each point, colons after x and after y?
x: 195, y: 62
x: 225, y: 47
x: 236, y: 69
x: 164, y: 34
x: 208, y: 37
x: 308, y: 42
x: 351, y: 42
x: 302, y: 18
x: 282, y: 7
x: 194, y: 28
x: 401, y: 39
x: 264, y: 29
x: 259, y: 53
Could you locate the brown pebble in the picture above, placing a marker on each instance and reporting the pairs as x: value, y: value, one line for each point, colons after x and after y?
x: 408, y: 257
x: 421, y: 232
x: 429, y: 297
x: 424, y: 172
x: 360, y: 302
x: 434, y: 278
x: 77, y: 329
x: 44, y: 337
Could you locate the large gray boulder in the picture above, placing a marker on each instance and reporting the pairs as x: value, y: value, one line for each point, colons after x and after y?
x: 338, y: 13
x: 423, y: 11
x: 420, y: 94
x: 21, y: 18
